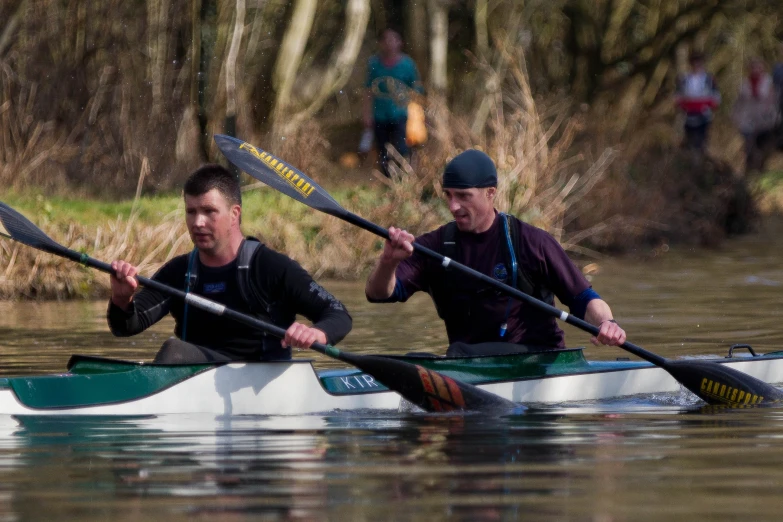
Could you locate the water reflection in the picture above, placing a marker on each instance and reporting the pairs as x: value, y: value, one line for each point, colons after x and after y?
x: 588, y: 462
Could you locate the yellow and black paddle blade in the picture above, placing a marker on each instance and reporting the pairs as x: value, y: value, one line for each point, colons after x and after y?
x: 428, y: 389
x: 278, y: 174
x: 717, y: 384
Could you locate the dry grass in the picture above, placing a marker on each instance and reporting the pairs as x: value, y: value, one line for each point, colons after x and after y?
x: 30, y: 273
x: 26, y: 143
x: 34, y: 153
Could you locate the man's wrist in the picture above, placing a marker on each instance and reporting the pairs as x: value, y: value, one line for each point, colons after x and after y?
x: 123, y: 304
x: 388, y: 264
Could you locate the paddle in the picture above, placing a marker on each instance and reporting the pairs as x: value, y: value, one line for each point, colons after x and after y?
x: 425, y: 388
x: 712, y: 382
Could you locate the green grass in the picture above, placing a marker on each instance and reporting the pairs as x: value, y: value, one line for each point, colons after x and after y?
x: 258, y: 205
x: 90, y: 212
x: 770, y: 181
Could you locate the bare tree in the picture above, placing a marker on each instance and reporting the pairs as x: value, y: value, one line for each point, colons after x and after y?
x: 231, y: 69
x: 343, y: 60
x: 613, y: 43
x: 290, y: 54
x: 439, y: 42
x: 416, y: 32
x: 190, y: 136
x: 480, y: 14
x: 10, y: 27
x: 158, y: 12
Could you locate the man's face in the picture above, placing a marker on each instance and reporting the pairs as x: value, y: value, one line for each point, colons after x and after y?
x: 210, y: 220
x: 391, y: 42
x: 472, y: 208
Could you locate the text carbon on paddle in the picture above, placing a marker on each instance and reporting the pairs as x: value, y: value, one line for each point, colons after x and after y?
x: 296, y: 181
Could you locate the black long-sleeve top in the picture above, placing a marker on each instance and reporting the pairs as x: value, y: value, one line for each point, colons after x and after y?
x: 280, y: 289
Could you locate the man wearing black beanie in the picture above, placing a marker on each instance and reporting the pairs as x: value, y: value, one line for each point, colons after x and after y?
x: 480, y: 320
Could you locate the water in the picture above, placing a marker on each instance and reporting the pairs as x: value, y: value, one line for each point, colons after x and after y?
x: 607, y: 463
x: 639, y: 459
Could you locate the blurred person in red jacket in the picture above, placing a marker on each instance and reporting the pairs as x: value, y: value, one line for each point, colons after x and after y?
x: 756, y: 111
x: 697, y: 96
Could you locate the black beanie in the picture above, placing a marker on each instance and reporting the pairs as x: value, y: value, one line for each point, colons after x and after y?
x: 471, y: 169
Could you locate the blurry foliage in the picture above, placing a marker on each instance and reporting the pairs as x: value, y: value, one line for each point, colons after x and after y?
x: 569, y: 98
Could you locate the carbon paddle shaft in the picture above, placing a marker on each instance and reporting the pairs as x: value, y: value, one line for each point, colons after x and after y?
x: 701, y: 378
x: 291, y: 181
x: 425, y: 388
x: 532, y: 301
x: 710, y: 381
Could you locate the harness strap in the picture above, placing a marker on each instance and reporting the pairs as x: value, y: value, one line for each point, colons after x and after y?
x: 249, y: 296
x: 190, y: 283
x: 520, y: 279
x: 246, y: 251
x: 450, y: 241
x: 512, y: 254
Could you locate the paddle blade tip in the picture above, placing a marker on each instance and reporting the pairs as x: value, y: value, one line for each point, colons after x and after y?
x: 717, y: 384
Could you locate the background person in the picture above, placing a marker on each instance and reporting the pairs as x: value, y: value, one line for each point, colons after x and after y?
x: 755, y: 113
x: 697, y: 96
x: 391, y: 75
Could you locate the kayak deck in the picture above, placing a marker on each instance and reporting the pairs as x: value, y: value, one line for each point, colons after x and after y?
x: 95, y: 385
x: 113, y: 381
x: 483, y: 369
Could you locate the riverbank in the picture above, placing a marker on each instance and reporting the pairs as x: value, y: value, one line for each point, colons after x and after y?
x: 149, y: 230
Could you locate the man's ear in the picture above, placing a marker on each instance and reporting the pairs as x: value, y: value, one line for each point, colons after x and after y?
x: 491, y: 191
x: 236, y: 212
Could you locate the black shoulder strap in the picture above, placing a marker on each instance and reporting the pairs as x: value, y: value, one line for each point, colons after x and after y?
x: 191, y: 276
x: 246, y: 251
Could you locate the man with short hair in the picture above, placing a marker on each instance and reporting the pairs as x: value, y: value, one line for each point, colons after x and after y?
x: 240, y: 273
x: 479, y: 319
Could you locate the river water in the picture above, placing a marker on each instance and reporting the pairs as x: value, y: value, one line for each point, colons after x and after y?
x: 641, y: 459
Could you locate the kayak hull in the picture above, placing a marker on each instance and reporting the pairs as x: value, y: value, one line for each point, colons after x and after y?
x: 98, y: 386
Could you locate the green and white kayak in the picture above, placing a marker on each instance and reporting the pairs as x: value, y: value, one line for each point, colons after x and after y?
x: 100, y: 386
